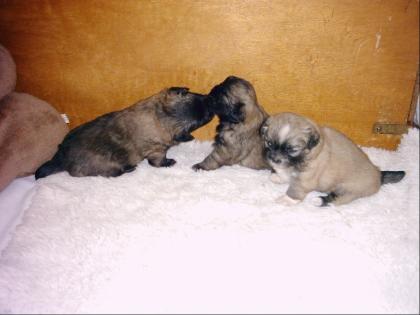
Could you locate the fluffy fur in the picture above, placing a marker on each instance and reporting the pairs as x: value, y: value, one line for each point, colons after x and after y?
x: 313, y: 158
x: 116, y: 142
x: 237, y: 138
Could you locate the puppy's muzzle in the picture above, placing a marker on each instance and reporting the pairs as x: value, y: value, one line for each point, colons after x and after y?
x: 214, y: 104
x: 273, y: 157
x: 201, y: 110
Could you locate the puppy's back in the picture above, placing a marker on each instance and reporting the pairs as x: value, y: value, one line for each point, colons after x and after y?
x: 349, y: 164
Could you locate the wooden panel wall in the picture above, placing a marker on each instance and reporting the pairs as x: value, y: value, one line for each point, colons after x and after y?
x: 344, y: 63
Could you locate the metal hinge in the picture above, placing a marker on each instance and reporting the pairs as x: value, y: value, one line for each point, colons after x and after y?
x: 390, y: 129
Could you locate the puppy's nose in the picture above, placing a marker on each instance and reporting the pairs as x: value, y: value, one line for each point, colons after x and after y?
x: 273, y: 157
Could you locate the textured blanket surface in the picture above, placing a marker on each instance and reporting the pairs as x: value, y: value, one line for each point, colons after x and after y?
x: 171, y: 240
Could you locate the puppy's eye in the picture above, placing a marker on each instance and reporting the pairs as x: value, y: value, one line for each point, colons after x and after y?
x: 268, y: 144
x: 292, y: 150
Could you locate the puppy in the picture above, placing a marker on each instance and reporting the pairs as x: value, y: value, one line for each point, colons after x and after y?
x: 237, y: 138
x: 116, y: 142
x: 309, y: 157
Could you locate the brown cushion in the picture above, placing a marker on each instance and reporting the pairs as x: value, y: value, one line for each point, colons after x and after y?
x: 30, y: 131
x: 7, y: 72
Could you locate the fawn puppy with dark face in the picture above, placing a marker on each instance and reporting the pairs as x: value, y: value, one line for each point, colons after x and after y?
x: 237, y: 140
x: 313, y: 158
x: 116, y: 142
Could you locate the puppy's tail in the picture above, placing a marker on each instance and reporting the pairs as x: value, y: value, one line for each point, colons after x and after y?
x: 390, y: 177
x: 48, y: 168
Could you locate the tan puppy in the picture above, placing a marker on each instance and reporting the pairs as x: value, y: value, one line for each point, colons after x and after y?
x: 115, y: 143
x: 313, y: 158
x: 238, y: 140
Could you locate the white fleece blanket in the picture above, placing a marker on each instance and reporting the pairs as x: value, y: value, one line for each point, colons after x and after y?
x: 14, y: 199
x: 175, y: 241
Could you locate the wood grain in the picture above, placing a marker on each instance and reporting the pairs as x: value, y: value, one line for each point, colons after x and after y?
x: 347, y: 64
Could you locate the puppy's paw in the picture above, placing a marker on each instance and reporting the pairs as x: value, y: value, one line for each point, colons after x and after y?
x: 168, y: 162
x: 197, y: 167
x: 276, y: 178
x: 324, y: 201
x: 285, y: 200
x: 317, y: 201
x: 129, y: 168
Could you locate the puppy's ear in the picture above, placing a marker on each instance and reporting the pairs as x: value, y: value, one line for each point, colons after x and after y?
x: 179, y: 90
x: 313, y: 139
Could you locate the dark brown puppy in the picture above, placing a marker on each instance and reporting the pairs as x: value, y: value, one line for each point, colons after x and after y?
x: 238, y: 140
x: 116, y: 142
